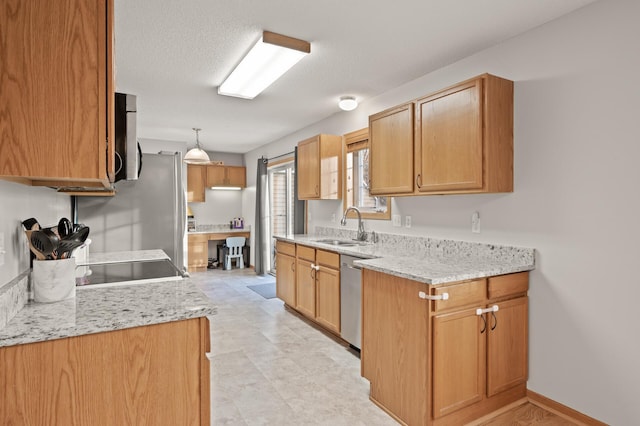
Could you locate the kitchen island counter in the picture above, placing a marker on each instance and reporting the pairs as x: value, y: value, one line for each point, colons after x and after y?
x: 96, y: 310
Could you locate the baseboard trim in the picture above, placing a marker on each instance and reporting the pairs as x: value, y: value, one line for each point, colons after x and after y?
x: 562, y: 410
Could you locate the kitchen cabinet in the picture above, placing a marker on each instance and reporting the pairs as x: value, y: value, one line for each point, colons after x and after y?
x: 149, y: 375
x: 308, y: 280
x: 196, y: 176
x: 198, y: 251
x: 447, y: 361
x: 57, y: 90
x: 319, y: 170
x: 463, y: 141
x: 226, y: 176
x: 286, y: 272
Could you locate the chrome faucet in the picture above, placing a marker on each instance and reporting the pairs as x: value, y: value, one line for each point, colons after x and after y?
x: 362, y: 236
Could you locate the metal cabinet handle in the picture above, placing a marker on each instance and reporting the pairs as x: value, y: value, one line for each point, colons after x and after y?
x: 314, y: 268
x: 495, y: 321
x: 423, y: 295
x: 317, y: 190
x: 493, y: 309
x: 419, y: 180
x: 293, y: 267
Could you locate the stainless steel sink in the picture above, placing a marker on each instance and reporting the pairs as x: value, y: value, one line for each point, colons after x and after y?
x: 335, y: 242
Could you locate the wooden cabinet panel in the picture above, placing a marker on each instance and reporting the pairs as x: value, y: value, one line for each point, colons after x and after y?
x: 508, y: 285
x: 198, y: 251
x: 225, y: 176
x: 305, y: 288
x: 461, y: 294
x: 329, y: 259
x: 195, y: 182
x: 391, y: 148
x: 507, y: 360
x: 458, y: 361
x: 449, y: 154
x: 328, y: 297
x: 130, y: 376
x: 307, y: 253
x: 320, y: 168
x: 395, y: 345
x: 286, y: 278
x: 285, y: 248
x: 57, y: 93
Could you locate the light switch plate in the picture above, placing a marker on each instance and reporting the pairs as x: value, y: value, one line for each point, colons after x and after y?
x: 2, y: 251
x: 397, y: 220
x: 475, y: 222
x: 407, y: 221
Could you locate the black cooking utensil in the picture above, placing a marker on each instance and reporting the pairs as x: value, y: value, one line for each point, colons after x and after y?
x: 65, y: 228
x: 44, y: 242
x: 65, y: 248
x: 31, y: 224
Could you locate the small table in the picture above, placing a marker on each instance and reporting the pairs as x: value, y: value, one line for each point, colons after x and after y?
x: 199, y: 246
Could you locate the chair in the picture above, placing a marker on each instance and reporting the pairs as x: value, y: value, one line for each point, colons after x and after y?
x: 234, y: 251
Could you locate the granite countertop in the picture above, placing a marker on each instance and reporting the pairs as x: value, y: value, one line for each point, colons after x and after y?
x: 96, y: 310
x: 124, y: 257
x: 218, y: 229
x: 427, y: 260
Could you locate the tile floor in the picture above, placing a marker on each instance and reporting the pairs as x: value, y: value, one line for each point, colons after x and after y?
x: 269, y: 367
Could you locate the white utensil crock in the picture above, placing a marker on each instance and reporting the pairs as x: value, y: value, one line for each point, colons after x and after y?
x: 53, y: 280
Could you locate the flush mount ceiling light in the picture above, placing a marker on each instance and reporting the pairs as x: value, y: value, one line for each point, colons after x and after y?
x: 196, y: 155
x: 272, y: 56
x: 347, y: 103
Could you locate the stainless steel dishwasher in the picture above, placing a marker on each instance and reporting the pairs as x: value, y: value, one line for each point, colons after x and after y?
x: 350, y: 301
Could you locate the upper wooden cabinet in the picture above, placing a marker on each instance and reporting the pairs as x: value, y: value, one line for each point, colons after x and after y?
x: 196, y: 176
x: 226, y: 176
x: 56, y: 80
x: 320, y: 168
x: 391, y: 151
x: 463, y: 141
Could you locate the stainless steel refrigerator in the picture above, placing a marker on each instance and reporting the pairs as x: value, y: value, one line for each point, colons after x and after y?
x: 148, y: 213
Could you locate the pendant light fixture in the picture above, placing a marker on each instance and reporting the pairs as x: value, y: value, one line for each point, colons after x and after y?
x: 196, y: 155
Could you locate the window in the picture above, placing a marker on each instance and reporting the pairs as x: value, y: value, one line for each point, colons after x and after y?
x: 281, y: 184
x: 356, y: 191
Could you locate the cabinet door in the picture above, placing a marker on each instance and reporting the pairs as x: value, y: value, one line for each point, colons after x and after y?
x: 237, y: 176
x: 286, y: 279
x: 507, y: 346
x: 395, y: 351
x: 449, y: 139
x: 198, y: 246
x: 391, y: 151
x: 306, y: 288
x: 309, y: 168
x: 458, y: 361
x: 57, y: 92
x: 215, y: 176
x: 328, y: 298
x: 195, y: 183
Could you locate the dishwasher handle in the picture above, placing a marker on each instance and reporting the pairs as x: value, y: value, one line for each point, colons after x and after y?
x: 350, y: 266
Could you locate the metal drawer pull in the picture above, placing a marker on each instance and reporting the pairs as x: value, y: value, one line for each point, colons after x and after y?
x: 423, y: 295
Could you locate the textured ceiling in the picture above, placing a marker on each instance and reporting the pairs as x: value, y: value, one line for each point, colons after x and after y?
x: 174, y: 54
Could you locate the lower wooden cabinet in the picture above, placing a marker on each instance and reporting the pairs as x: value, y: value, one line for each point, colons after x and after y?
x: 150, y: 375
x: 444, y: 361
x: 198, y: 251
x: 308, y: 280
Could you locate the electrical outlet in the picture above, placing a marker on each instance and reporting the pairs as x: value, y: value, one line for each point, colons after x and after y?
x: 475, y: 222
x: 397, y: 220
x: 2, y: 248
x: 407, y: 221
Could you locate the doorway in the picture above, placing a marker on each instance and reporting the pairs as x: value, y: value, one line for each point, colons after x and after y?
x: 281, y: 178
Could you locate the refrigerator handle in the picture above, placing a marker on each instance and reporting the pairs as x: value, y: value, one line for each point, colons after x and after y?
x: 181, y: 203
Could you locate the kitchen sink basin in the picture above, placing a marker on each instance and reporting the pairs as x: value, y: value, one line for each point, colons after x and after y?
x: 335, y: 242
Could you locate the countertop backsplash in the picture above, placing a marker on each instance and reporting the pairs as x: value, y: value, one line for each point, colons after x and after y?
x: 419, y: 246
x: 13, y: 296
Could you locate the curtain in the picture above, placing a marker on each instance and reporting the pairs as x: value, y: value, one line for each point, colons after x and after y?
x: 299, y: 216
x: 262, y: 218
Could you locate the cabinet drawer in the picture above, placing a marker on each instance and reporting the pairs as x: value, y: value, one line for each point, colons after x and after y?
x: 328, y: 258
x: 461, y: 294
x: 286, y: 248
x: 307, y: 253
x: 507, y: 285
x: 198, y: 238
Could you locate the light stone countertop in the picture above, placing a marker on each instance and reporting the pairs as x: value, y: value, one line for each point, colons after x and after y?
x: 428, y: 260
x: 96, y: 310
x: 124, y: 257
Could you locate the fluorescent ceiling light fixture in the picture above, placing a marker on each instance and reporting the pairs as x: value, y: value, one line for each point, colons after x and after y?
x: 268, y: 59
x: 196, y: 155
x: 226, y: 188
x: 347, y: 103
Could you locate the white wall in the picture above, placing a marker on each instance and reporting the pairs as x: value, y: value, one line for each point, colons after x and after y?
x: 577, y: 149
x: 17, y: 203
